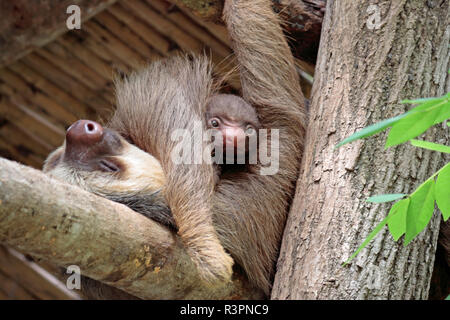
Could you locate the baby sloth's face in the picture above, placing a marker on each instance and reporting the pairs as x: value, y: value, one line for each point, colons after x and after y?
x: 235, y: 120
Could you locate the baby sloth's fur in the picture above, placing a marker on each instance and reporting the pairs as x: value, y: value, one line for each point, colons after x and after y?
x: 243, y: 217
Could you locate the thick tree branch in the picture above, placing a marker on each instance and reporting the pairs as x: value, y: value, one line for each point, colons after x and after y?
x: 66, y: 226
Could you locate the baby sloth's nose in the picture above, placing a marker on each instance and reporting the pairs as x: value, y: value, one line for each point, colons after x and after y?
x: 84, y: 132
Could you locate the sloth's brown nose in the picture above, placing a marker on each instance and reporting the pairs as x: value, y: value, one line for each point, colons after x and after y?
x: 84, y: 132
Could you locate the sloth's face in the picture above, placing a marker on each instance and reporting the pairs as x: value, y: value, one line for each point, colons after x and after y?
x: 99, y: 160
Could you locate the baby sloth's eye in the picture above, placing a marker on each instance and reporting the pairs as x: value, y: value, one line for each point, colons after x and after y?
x: 214, y: 122
x: 250, y: 131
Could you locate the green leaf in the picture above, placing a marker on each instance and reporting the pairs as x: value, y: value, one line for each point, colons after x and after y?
x: 440, y: 103
x: 370, y: 237
x: 420, y: 210
x: 442, y: 191
x: 397, y: 223
x: 420, y: 100
x: 434, y: 107
x: 372, y: 129
x: 430, y: 146
x: 444, y: 114
x: 375, y: 231
x: 411, y: 126
x: 428, y: 104
x: 385, y: 197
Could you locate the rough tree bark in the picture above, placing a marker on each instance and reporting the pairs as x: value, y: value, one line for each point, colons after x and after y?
x: 65, y: 225
x: 362, y: 74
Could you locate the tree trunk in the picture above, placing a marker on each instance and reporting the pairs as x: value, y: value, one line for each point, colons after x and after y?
x: 363, y: 71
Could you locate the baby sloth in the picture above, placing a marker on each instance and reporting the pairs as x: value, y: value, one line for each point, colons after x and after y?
x: 234, y: 124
